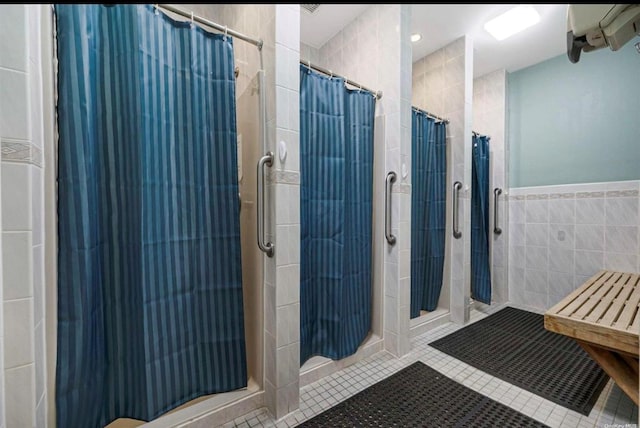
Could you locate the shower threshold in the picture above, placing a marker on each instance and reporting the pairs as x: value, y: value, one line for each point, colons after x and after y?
x: 203, y: 408
x: 316, y: 368
x: 428, y: 320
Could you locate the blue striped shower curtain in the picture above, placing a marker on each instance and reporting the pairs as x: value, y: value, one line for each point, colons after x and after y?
x: 428, y: 210
x: 336, y: 187
x: 480, y: 270
x: 149, y: 276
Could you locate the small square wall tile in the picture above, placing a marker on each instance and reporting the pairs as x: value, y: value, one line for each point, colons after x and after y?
x: 16, y: 196
x: 17, y: 265
x: 562, y: 236
x: 14, y: 105
x: 562, y: 211
x: 589, y: 237
x: 590, y: 211
x: 536, y: 258
x: 621, y: 262
x: 14, y: 37
x: 561, y: 260
x: 621, y: 211
x: 18, y: 331
x: 537, y: 234
x: 20, y: 403
x: 621, y: 239
x: 537, y: 211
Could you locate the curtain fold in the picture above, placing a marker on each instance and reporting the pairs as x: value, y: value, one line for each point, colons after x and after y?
x: 149, y: 274
x: 428, y: 211
x: 336, y: 191
x: 480, y: 267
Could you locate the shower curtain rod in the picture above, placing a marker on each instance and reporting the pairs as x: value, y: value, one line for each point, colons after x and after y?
x: 204, y: 21
x: 377, y: 94
x: 478, y: 135
x: 432, y: 116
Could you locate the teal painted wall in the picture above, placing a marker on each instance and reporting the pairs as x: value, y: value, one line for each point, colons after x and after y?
x: 576, y: 123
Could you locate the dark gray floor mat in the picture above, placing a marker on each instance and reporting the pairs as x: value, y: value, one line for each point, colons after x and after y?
x: 419, y: 396
x: 513, y: 345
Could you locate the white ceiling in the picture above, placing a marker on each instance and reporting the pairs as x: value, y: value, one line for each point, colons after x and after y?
x: 440, y: 24
x: 319, y: 27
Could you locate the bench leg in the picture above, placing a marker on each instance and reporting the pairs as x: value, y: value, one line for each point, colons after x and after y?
x: 622, y: 369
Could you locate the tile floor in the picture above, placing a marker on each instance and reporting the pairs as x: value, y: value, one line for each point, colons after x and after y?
x: 613, y: 408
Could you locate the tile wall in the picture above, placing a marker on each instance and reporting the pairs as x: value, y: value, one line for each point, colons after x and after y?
x: 489, y: 109
x: 279, y: 27
x: 283, y: 271
x: 21, y: 140
x: 374, y: 50
x: 443, y: 85
x: 561, y: 235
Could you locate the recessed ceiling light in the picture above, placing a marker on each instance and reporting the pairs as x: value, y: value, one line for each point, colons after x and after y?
x: 511, y: 22
x: 416, y: 37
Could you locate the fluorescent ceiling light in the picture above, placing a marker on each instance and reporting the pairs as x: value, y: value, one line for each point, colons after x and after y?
x: 512, y: 22
x: 416, y: 37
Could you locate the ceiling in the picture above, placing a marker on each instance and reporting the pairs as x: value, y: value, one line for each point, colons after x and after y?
x: 319, y: 27
x: 440, y: 24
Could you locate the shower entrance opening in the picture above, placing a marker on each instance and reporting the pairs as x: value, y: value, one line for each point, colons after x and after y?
x: 124, y: 159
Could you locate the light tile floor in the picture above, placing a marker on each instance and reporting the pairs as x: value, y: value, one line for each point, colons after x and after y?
x: 612, y: 409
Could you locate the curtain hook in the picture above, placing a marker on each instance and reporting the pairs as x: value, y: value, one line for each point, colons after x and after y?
x: 226, y: 31
x: 192, y: 19
x: 360, y: 88
x: 331, y: 77
x: 155, y: 7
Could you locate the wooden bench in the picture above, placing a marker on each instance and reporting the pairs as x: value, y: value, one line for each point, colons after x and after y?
x: 603, y: 315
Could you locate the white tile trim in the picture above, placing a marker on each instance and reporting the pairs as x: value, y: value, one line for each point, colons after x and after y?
x: 574, y: 188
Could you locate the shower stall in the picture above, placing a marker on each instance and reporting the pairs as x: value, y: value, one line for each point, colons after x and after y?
x: 249, y: 117
x: 444, y: 92
x: 247, y: 124
x: 429, y: 291
x: 341, y: 242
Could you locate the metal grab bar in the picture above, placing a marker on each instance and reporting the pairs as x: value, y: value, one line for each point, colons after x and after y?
x: 456, y: 194
x: 391, y: 177
x: 267, y: 248
x: 496, y: 192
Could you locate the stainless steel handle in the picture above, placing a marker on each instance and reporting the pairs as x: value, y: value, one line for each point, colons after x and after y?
x: 267, y: 160
x: 496, y: 192
x: 391, y: 177
x: 456, y: 194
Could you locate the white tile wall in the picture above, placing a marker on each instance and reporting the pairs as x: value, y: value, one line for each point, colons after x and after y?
x: 442, y: 85
x: 17, y: 185
x: 282, y: 272
x: 380, y: 36
x: 21, y: 189
x: 590, y: 227
x: 20, y: 407
x: 15, y: 103
x: 278, y: 26
x: 17, y: 259
x: 2, y: 406
x: 19, y: 333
